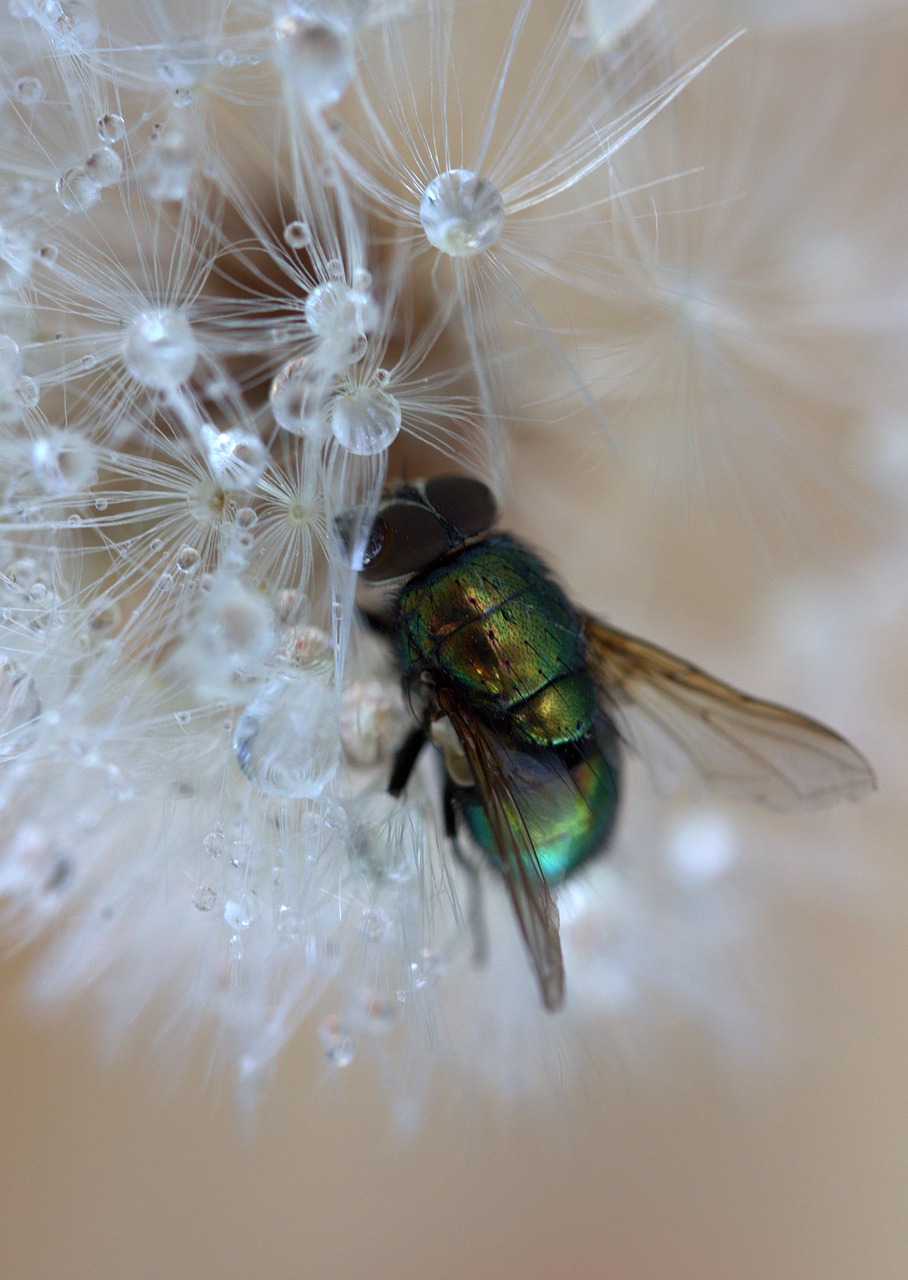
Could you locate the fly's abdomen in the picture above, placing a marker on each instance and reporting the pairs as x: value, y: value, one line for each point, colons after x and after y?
x: 567, y: 809
x: 490, y: 623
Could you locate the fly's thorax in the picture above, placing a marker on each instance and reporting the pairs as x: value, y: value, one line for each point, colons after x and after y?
x: 489, y: 622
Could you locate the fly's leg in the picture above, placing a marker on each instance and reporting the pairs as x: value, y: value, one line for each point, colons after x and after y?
x: 479, y: 938
x: 405, y: 760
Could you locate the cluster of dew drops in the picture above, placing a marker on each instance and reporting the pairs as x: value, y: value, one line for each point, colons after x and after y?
x: 102, y: 129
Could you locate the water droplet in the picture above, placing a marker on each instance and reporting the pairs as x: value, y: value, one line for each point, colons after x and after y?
x: 20, y: 708
x: 48, y: 254
x: 189, y: 560
x: 77, y: 189
x: 204, y: 898
x: 237, y: 458
x: 286, y: 740
x: 111, y: 128
x: 74, y: 520
x: 182, y: 97
x: 103, y: 616
x: 296, y: 396
x: 461, y: 212
x: 227, y: 58
x: 315, y: 54
x: 215, y: 842
x: 336, y: 312
x: 337, y: 1043
x: 246, y: 518
x: 183, y: 718
x: 28, y: 90
x: 63, y: 462
x: 160, y: 349
x: 365, y: 420
x: 242, y: 915
x: 168, y: 169
x: 104, y: 166
x: 297, y: 234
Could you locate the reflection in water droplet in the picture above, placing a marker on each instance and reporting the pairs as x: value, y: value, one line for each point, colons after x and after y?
x: 286, y: 741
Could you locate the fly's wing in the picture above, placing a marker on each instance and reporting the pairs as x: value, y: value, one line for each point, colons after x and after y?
x: 737, y: 744
x: 534, y: 906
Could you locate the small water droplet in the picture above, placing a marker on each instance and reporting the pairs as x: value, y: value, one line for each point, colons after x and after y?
x: 182, y: 97
x: 204, y: 898
x: 111, y: 128
x: 462, y: 213
x: 297, y: 234
x: 189, y: 560
x: 246, y: 518
x: 227, y: 58
x: 28, y: 90
x: 286, y: 740
x: 183, y: 718
x: 242, y: 915
x: 215, y: 842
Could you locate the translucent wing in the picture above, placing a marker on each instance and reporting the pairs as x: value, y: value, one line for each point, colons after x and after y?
x: 672, y: 712
x: 534, y: 906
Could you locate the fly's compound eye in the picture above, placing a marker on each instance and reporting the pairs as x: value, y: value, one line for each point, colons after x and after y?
x: 466, y: 504
x: 404, y: 539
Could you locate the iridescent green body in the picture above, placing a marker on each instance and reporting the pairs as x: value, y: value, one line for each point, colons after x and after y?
x: 488, y: 622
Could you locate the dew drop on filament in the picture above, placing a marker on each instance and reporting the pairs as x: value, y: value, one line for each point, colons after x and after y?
x: 462, y: 213
x: 286, y: 741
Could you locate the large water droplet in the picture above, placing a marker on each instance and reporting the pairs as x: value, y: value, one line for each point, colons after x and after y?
x: 77, y: 189
x: 104, y: 166
x: 237, y: 458
x: 160, y: 349
x: 461, y: 212
x: 297, y: 399
x: 20, y: 708
x: 341, y: 316
x: 286, y: 741
x: 315, y: 54
x: 365, y: 420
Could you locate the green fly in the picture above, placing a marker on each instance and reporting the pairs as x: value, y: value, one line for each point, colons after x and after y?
x: 532, y: 704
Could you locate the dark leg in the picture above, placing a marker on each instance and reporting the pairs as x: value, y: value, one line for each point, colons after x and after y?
x: 405, y: 760
x: 475, y: 918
